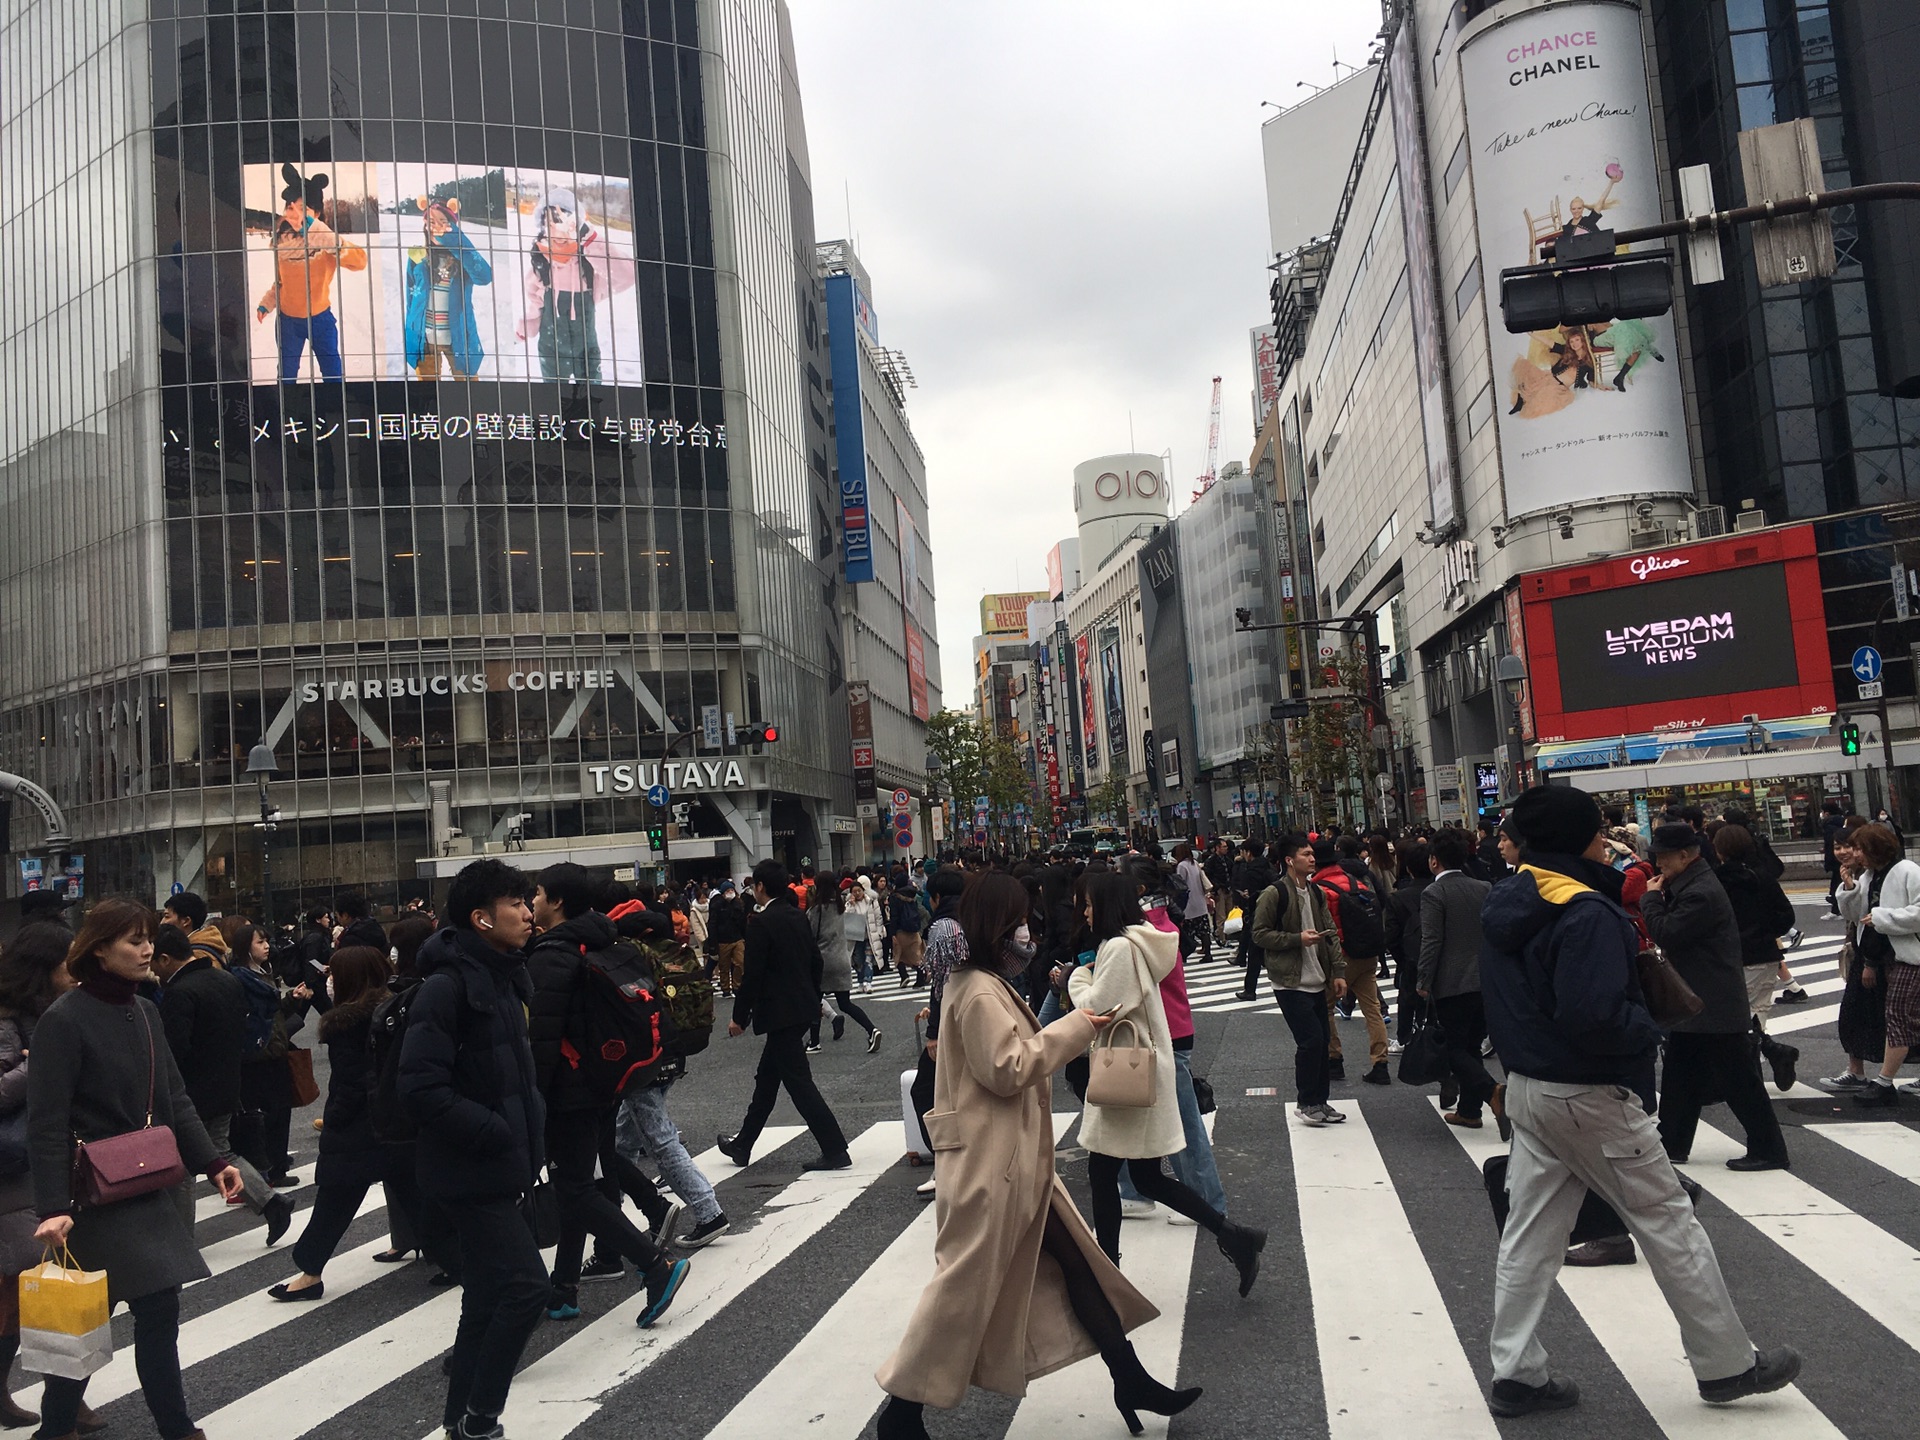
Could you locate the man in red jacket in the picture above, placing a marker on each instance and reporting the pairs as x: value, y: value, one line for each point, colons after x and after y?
x: 1348, y: 896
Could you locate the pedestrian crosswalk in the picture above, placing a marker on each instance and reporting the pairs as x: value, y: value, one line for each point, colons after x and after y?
x: 1215, y: 986
x: 1377, y: 1290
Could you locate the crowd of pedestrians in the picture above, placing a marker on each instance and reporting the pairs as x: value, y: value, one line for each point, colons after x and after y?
x: 503, y: 1069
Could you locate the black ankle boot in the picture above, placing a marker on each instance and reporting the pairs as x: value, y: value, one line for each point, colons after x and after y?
x: 1134, y: 1389
x: 900, y: 1420
x: 1242, y: 1245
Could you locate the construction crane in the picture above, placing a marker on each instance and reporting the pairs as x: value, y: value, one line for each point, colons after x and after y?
x: 1213, y: 444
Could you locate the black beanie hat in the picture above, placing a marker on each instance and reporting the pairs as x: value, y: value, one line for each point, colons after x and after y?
x: 1557, y: 819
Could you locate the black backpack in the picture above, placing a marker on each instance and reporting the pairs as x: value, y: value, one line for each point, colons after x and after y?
x: 1362, y: 934
x: 391, y: 1122
x: 622, y: 1028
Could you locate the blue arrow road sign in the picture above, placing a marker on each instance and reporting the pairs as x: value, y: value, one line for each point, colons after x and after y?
x: 659, y: 796
x: 1866, y: 664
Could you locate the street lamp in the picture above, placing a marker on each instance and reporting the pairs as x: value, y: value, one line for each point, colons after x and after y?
x: 1511, y: 672
x: 260, y: 764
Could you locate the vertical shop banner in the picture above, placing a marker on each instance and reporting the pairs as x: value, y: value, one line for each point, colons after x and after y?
x: 1517, y: 644
x: 1265, y: 343
x: 1089, y: 716
x: 860, y: 726
x: 1561, y: 137
x: 1113, y: 690
x: 916, y: 672
x: 909, y: 543
x: 1423, y: 274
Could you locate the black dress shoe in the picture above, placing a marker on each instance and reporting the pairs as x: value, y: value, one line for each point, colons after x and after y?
x: 1510, y: 1397
x: 284, y: 1180
x: 1759, y: 1162
x: 312, y: 1292
x: 730, y: 1146
x: 1771, y: 1370
x: 1876, y: 1094
x: 279, y: 1215
x: 1378, y: 1075
x: 841, y: 1161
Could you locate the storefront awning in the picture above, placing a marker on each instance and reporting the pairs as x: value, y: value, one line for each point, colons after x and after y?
x: 1663, y: 747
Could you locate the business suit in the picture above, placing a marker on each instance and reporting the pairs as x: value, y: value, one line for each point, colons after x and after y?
x: 1450, y: 979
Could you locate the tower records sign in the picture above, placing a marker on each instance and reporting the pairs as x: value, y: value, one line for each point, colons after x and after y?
x: 1561, y: 135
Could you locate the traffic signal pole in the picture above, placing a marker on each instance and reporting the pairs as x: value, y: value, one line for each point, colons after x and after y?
x: 1770, y: 210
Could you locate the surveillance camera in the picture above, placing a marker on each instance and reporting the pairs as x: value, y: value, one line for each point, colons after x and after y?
x: 1644, y: 509
x: 1749, y: 719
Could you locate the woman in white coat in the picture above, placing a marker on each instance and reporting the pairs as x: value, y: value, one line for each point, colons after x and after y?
x: 1124, y: 980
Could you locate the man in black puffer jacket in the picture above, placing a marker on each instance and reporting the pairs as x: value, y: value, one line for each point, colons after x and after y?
x: 205, y: 1012
x: 779, y: 997
x: 467, y: 1078
x: 578, y: 1120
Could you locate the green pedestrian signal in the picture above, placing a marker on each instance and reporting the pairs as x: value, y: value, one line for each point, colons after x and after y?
x: 1849, y: 739
x: 657, y: 838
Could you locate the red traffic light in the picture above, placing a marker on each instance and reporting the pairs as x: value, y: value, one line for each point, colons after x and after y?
x: 770, y: 733
x: 759, y: 734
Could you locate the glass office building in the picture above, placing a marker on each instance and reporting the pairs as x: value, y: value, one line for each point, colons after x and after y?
x: 418, y: 389
x: 1795, y: 414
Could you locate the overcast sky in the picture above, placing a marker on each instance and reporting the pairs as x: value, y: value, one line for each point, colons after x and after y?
x: 1062, y: 209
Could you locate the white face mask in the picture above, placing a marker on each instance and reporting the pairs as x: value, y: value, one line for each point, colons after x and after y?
x: 1022, y: 936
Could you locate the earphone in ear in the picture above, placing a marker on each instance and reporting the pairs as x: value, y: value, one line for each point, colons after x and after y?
x: 486, y: 924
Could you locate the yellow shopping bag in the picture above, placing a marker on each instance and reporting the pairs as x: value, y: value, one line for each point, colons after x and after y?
x: 63, y: 1318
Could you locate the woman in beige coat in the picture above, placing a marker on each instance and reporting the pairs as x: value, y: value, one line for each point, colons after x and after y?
x: 995, y: 1314
x: 1124, y: 981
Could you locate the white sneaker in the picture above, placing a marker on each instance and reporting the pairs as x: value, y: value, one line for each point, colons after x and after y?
x: 1138, y: 1209
x: 1309, y: 1115
x: 926, y: 1189
x: 1394, y: 1047
x: 1174, y: 1217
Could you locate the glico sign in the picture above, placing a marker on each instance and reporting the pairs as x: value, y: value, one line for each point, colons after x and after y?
x: 1698, y: 636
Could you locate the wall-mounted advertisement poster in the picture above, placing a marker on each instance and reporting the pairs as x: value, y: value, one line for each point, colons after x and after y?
x: 387, y: 271
x: 1113, y: 691
x: 1561, y: 135
x: 1089, y: 712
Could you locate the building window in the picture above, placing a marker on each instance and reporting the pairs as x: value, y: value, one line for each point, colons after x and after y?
x: 1480, y: 411
x: 1456, y: 167
x: 1468, y: 287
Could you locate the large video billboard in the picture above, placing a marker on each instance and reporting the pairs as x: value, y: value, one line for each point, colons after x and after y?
x: 1678, y: 639
x: 387, y: 271
x: 1561, y: 137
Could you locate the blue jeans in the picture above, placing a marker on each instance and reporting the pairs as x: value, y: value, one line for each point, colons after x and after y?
x: 862, y: 963
x: 1193, y: 1167
x: 323, y: 331
x: 643, y: 1126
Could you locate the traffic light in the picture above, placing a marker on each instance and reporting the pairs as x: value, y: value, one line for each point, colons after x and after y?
x: 657, y: 839
x: 758, y: 734
x: 1586, y: 289
x: 1849, y: 739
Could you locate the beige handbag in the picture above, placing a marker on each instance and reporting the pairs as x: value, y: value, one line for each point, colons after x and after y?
x: 1122, y: 1076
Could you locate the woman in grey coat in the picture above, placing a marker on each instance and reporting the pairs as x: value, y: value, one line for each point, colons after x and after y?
x: 827, y: 917
x: 100, y: 1068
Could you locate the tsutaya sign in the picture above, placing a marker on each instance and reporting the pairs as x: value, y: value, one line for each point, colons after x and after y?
x: 629, y: 777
